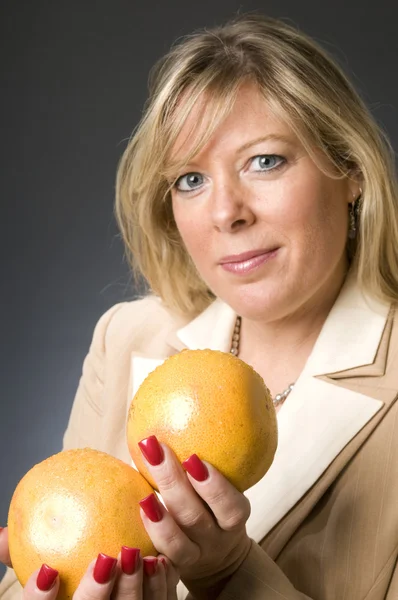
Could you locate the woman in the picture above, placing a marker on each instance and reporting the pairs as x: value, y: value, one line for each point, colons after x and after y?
x: 258, y: 198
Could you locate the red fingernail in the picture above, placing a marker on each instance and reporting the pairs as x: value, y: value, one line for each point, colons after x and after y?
x: 164, y: 562
x: 46, y: 577
x: 152, y: 450
x: 129, y: 559
x: 151, y: 507
x: 196, y: 468
x: 150, y: 565
x: 104, y: 568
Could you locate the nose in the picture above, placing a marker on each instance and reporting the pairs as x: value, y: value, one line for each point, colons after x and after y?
x: 230, y: 207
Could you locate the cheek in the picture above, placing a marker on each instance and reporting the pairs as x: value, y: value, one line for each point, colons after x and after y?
x: 321, y: 224
x: 192, y: 232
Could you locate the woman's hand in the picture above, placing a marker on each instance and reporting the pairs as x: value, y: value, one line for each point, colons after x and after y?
x: 127, y: 577
x: 4, y: 552
x: 106, y: 577
x: 203, y: 529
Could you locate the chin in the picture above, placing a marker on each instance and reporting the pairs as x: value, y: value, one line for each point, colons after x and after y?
x: 264, y: 305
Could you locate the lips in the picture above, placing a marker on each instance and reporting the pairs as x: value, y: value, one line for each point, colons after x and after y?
x: 239, y: 258
x: 247, y: 262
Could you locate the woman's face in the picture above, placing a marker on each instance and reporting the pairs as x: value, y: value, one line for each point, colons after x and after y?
x: 264, y: 226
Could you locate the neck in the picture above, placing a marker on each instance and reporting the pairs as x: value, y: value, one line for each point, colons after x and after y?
x: 279, y: 349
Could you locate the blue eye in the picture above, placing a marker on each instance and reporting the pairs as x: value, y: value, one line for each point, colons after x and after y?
x: 261, y: 163
x: 189, y: 182
x: 267, y: 162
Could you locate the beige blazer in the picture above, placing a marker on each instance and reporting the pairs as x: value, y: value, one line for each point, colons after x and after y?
x: 325, y: 517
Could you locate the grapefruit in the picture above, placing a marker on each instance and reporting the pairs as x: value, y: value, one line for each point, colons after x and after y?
x: 69, y: 508
x: 209, y: 403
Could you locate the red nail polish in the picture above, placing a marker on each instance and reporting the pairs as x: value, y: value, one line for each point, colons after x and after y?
x: 104, y: 568
x: 152, y: 450
x: 129, y: 559
x: 196, y: 468
x: 151, y: 507
x: 150, y: 565
x: 46, y: 577
x: 164, y: 562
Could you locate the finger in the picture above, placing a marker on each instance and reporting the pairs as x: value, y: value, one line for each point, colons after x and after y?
x: 172, y: 577
x: 43, y: 584
x: 4, y: 550
x: 155, y: 586
x: 129, y: 583
x: 180, y: 498
x: 166, y: 535
x: 98, y: 581
x: 230, y: 508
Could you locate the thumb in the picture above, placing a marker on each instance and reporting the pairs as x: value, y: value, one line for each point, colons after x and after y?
x: 4, y: 551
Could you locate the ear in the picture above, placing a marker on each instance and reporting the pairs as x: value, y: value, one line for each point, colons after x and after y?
x: 354, y: 186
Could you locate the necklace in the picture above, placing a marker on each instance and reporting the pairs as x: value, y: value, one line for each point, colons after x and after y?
x: 279, y: 398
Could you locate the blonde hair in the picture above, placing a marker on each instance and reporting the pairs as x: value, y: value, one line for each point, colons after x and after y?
x: 304, y: 85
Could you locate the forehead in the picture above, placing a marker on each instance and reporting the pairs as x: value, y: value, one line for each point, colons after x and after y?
x: 248, y: 115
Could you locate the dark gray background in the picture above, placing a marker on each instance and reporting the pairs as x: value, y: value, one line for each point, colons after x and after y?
x: 73, y: 82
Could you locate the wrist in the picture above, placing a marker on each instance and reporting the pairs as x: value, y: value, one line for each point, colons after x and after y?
x: 211, y: 586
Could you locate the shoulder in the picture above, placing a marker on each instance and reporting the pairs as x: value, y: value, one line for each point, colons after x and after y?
x: 136, y: 324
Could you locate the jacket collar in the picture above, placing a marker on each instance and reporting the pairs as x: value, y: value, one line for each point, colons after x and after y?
x: 211, y: 329
x: 351, y: 334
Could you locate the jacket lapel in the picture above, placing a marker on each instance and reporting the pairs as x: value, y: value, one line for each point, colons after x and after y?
x: 321, y: 416
x: 315, y: 425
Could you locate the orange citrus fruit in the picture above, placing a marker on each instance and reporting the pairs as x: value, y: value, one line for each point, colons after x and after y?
x: 209, y: 403
x: 72, y: 506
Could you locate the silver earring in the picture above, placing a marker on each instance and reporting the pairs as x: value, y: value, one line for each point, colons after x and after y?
x: 353, y: 216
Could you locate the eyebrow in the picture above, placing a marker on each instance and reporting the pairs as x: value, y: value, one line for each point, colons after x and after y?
x: 264, y: 138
